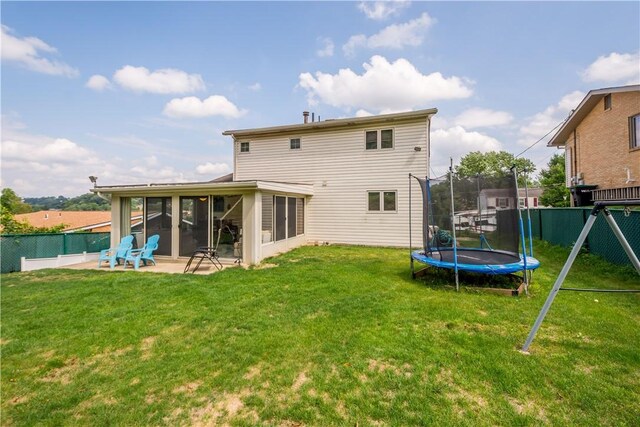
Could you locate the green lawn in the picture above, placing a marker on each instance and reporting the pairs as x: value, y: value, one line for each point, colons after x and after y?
x: 321, y: 336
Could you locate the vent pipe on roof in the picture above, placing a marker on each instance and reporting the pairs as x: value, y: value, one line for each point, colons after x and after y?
x: 305, y: 115
x: 313, y: 117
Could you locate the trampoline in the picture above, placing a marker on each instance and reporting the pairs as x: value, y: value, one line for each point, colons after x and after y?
x: 482, y: 261
x: 474, y: 224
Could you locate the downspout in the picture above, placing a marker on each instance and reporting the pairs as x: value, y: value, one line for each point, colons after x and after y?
x: 235, y: 157
x: 428, y: 150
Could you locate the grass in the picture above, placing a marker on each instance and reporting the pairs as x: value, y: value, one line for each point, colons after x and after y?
x: 325, y: 336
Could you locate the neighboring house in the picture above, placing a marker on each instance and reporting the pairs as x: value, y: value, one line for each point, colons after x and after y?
x: 491, y: 201
x: 499, y: 198
x: 601, y: 139
x: 89, y: 221
x: 336, y: 181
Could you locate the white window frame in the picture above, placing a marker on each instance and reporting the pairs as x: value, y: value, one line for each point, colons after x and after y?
x: 248, y: 147
x: 381, y: 209
x: 379, y: 139
x: 634, y: 132
x: 299, y: 144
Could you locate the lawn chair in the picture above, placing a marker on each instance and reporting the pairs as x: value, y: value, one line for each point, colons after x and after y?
x: 145, y: 254
x: 114, y: 255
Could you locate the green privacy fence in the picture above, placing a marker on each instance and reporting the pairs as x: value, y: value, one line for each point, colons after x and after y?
x: 14, y: 246
x: 561, y: 226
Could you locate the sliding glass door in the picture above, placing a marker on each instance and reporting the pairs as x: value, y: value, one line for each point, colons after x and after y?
x: 194, y: 223
x: 158, y: 221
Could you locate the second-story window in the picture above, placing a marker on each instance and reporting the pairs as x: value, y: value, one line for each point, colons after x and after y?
x: 379, y: 139
x: 244, y: 147
x: 294, y: 143
x: 607, y: 102
x: 634, y: 131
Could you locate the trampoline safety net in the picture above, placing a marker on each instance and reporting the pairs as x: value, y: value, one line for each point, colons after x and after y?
x: 485, y: 217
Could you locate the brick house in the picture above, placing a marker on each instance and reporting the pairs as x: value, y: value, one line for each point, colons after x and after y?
x: 601, y: 139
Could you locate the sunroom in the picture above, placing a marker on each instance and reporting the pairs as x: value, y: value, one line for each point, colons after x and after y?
x: 246, y: 221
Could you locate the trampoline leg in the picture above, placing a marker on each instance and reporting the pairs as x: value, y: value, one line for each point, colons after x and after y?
x: 563, y: 274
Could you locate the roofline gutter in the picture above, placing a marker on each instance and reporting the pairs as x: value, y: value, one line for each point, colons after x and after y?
x: 329, y: 124
x: 224, y: 187
x: 568, y: 126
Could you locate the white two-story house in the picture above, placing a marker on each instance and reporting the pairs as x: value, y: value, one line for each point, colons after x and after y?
x: 332, y: 181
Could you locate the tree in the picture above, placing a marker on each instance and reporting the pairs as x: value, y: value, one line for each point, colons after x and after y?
x: 552, y: 180
x: 87, y: 202
x: 12, y: 203
x: 46, y: 203
x: 492, y: 164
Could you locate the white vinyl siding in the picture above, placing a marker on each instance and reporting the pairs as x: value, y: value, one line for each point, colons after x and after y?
x: 342, y: 172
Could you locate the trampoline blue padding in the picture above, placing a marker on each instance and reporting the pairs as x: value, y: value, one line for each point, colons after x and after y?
x: 477, y: 260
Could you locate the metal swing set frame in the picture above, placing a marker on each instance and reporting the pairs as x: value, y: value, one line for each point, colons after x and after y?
x: 599, y: 207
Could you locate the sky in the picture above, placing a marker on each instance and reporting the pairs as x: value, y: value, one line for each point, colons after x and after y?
x: 141, y: 92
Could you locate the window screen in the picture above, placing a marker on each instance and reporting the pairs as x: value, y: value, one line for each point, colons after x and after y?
x: 389, y: 200
x: 291, y: 217
x: 281, y: 217
x: 386, y: 138
x: 374, y: 200
x: 372, y: 140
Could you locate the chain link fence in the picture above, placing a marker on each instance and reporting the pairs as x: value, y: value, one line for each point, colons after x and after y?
x: 561, y: 226
x: 14, y: 246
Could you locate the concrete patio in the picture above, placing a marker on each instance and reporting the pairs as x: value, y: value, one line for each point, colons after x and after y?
x: 162, y: 266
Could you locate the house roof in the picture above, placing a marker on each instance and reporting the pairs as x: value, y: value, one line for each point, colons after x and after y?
x: 504, y: 192
x: 73, y: 220
x: 209, y: 187
x: 584, y: 108
x: 332, y: 123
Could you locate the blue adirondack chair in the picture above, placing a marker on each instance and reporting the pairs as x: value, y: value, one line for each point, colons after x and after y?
x: 145, y: 254
x: 114, y: 255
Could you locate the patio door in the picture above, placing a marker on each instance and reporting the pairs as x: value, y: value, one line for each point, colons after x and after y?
x: 194, y: 223
x: 158, y: 221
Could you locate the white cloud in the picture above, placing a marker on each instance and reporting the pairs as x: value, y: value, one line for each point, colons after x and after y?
x: 395, y: 36
x: 28, y: 52
x: 379, y: 10
x: 38, y: 165
x: 541, y: 123
x: 164, y: 81
x: 191, y: 106
x: 255, y: 87
x: 363, y: 113
x: 456, y: 142
x: 481, y: 117
x: 41, y: 165
x: 98, y: 83
x: 58, y: 150
x: 384, y: 86
x: 327, y: 47
x: 615, y: 67
x: 213, y: 168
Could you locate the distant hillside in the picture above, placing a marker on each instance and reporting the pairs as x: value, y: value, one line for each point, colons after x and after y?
x: 85, y: 202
